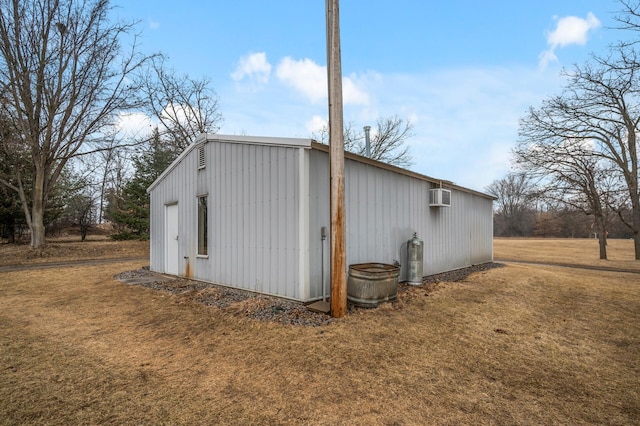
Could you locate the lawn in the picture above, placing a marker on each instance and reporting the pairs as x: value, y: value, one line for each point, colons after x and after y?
x: 563, y: 250
x: 524, y: 344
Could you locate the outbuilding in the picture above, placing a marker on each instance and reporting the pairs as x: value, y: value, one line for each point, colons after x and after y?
x: 253, y: 213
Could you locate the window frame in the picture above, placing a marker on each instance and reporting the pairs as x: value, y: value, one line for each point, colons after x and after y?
x: 202, y: 223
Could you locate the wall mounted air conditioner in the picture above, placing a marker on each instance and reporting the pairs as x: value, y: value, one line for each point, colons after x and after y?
x: 439, y: 197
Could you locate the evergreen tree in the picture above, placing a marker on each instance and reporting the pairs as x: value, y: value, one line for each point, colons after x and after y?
x: 130, y: 211
x: 11, y: 214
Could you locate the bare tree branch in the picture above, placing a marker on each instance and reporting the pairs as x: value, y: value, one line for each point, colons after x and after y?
x: 184, y: 106
x: 583, y: 142
x: 515, y: 195
x: 388, y: 142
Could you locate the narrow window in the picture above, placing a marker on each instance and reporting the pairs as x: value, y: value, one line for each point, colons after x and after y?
x: 203, y: 249
x: 201, y: 158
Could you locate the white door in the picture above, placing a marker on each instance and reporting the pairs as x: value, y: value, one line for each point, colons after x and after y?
x: 171, y: 258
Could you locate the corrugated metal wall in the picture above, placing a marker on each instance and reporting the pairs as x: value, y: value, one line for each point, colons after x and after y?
x: 318, y: 217
x: 172, y: 190
x: 384, y: 208
x: 266, y: 215
x: 253, y: 210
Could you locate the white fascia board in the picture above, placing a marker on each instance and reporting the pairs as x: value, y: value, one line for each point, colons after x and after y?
x: 177, y: 161
x: 257, y: 140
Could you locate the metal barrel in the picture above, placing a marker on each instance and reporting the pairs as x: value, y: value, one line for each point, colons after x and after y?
x: 370, y: 284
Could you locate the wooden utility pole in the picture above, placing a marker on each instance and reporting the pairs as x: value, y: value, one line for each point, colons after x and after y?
x: 336, y: 163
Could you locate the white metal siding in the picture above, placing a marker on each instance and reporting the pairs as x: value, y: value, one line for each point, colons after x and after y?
x: 172, y: 190
x: 378, y: 214
x: 253, y: 194
x: 384, y: 208
x: 318, y: 217
x: 267, y: 204
x: 254, y: 235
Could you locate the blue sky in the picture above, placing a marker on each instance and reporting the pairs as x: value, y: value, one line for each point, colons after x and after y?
x: 462, y: 71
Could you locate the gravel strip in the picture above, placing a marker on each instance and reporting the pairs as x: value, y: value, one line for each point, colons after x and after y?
x: 274, y: 309
x: 460, y: 274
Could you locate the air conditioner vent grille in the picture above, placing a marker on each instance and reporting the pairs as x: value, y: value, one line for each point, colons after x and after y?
x: 439, y: 197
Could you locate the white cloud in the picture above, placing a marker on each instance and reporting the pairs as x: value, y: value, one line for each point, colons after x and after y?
x: 352, y: 94
x: 545, y: 58
x: 587, y: 144
x: 316, y: 124
x: 466, y: 119
x: 569, y: 30
x: 305, y: 76
x: 154, y: 25
x: 310, y: 79
x: 132, y: 125
x: 572, y: 30
x: 253, y: 66
x: 177, y: 112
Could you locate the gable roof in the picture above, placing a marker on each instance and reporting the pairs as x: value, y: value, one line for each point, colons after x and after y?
x: 248, y: 140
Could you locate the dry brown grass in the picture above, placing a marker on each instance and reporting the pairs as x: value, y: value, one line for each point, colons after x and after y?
x: 516, y: 345
x: 65, y: 249
x: 561, y: 250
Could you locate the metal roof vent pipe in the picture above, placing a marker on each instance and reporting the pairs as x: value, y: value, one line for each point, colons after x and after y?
x: 367, y: 141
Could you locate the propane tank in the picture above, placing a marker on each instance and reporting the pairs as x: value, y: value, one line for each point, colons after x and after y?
x: 415, y: 249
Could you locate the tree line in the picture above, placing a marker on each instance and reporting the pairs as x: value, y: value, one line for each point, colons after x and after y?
x: 578, y: 151
x: 521, y: 210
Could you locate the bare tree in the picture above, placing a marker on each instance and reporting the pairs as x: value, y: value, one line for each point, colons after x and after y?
x: 592, y: 188
x: 82, y: 209
x: 583, y: 142
x: 109, y: 167
x: 571, y: 173
x: 515, y: 195
x: 64, y: 76
x: 628, y: 18
x: 184, y: 106
x: 388, y: 140
x: 599, y: 108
